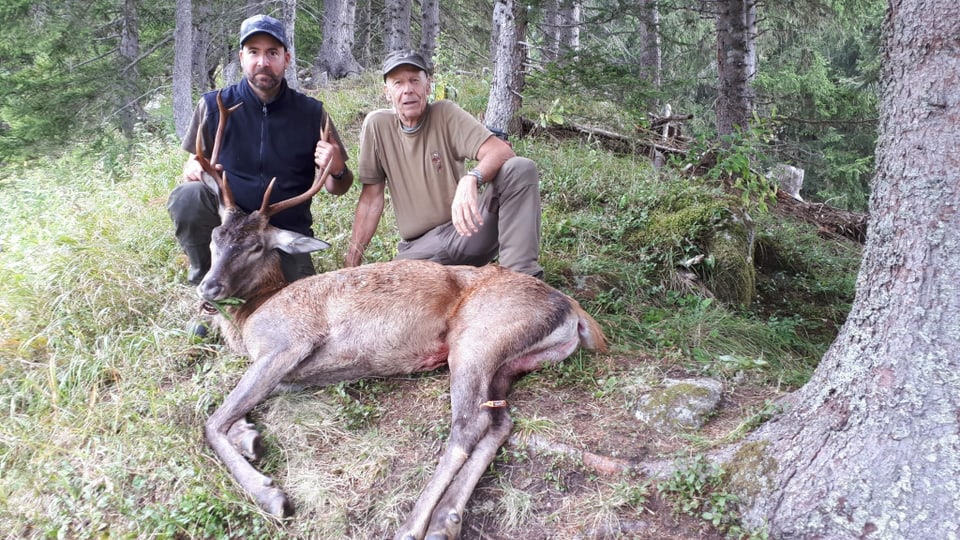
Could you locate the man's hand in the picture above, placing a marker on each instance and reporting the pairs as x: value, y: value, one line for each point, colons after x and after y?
x: 464, y: 211
x: 193, y: 172
x: 327, y: 153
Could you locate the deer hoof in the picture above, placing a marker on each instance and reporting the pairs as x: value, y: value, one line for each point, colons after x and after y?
x: 447, y: 528
x: 246, y: 439
x: 275, y: 502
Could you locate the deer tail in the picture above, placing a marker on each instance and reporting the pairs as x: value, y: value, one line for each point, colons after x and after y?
x: 591, y: 335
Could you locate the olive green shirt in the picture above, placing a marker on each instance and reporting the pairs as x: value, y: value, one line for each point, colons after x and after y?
x: 421, y: 167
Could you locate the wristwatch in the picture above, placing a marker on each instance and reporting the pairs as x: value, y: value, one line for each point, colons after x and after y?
x: 479, y: 176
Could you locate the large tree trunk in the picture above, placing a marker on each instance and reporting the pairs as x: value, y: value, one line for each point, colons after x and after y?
x: 336, y: 60
x: 569, y: 26
x: 396, y: 25
x: 509, y: 29
x: 561, y: 28
x: 430, y: 29
x: 288, y: 10
x: 183, y: 67
x: 870, y: 447
x: 649, y: 30
x: 202, y: 74
x: 228, y: 24
x: 129, y: 105
x: 736, y: 27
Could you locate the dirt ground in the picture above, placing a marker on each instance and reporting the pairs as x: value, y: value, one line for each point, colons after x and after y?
x: 578, y: 465
x: 605, y: 430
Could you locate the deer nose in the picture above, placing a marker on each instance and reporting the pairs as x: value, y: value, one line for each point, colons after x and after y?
x: 210, y: 289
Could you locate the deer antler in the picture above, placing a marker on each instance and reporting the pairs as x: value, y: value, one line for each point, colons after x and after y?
x: 319, y: 180
x: 209, y: 165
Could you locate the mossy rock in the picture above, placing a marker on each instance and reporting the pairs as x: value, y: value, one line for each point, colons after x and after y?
x: 732, y: 277
x: 680, y: 405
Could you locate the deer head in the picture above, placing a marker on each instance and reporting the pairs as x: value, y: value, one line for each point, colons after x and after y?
x: 244, y: 261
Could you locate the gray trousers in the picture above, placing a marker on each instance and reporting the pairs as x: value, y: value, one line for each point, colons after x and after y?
x: 510, y: 207
x: 194, y: 210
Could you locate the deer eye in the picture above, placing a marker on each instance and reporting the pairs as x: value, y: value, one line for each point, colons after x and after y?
x: 257, y: 247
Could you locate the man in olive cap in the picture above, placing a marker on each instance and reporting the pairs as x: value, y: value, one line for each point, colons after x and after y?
x: 275, y: 133
x: 444, y: 212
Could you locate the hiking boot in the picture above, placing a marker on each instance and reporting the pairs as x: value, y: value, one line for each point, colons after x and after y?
x: 199, y: 257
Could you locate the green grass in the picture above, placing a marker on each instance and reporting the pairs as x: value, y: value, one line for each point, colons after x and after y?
x: 103, y: 398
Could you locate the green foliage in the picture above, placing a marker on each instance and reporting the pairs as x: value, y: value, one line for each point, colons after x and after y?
x: 821, y: 81
x: 696, y: 488
x: 722, y: 341
x: 590, y: 85
x: 739, y: 161
x: 354, y: 406
x: 198, y: 514
x: 62, y: 77
x: 803, y: 278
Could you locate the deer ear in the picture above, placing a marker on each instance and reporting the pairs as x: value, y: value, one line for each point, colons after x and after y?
x: 294, y: 243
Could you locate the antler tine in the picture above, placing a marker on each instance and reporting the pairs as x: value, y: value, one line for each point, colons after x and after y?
x: 221, y: 125
x: 268, y: 209
x: 225, y: 194
x: 209, y: 165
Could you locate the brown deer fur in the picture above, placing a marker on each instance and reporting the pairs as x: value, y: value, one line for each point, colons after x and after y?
x: 489, y: 325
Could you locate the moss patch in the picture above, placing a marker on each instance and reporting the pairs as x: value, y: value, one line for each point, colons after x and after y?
x: 733, y: 277
x: 751, y: 471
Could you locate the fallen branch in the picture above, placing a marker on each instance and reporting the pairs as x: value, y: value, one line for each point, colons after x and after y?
x: 831, y: 222
x: 602, y: 464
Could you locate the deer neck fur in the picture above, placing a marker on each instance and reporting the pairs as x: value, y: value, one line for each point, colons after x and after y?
x: 232, y: 317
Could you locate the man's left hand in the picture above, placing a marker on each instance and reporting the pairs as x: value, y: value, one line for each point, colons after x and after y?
x: 326, y: 153
x: 464, y: 211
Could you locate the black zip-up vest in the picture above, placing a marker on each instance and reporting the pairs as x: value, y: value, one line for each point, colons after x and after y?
x: 262, y: 141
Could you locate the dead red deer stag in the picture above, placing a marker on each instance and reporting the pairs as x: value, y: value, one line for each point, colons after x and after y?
x: 490, y: 325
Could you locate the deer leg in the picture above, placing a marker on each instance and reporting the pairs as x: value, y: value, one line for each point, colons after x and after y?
x: 451, y: 462
x: 447, y: 517
x: 468, y: 390
x: 255, y: 385
x: 448, y: 514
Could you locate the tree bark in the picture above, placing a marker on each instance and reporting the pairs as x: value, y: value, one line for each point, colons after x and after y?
x: 202, y: 76
x: 551, y: 31
x: 227, y: 54
x: 430, y: 29
x: 288, y: 10
x: 335, y: 60
x: 396, y: 25
x: 649, y: 30
x: 129, y: 109
x: 569, y: 26
x: 735, y: 66
x: 870, y: 447
x: 183, y: 66
x: 509, y: 29
x: 561, y: 28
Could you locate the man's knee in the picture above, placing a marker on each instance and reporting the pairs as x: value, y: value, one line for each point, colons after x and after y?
x: 519, y: 171
x: 193, y: 211
x: 191, y: 199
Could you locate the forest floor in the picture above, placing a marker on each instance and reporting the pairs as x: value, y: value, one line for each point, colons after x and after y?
x: 578, y: 466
